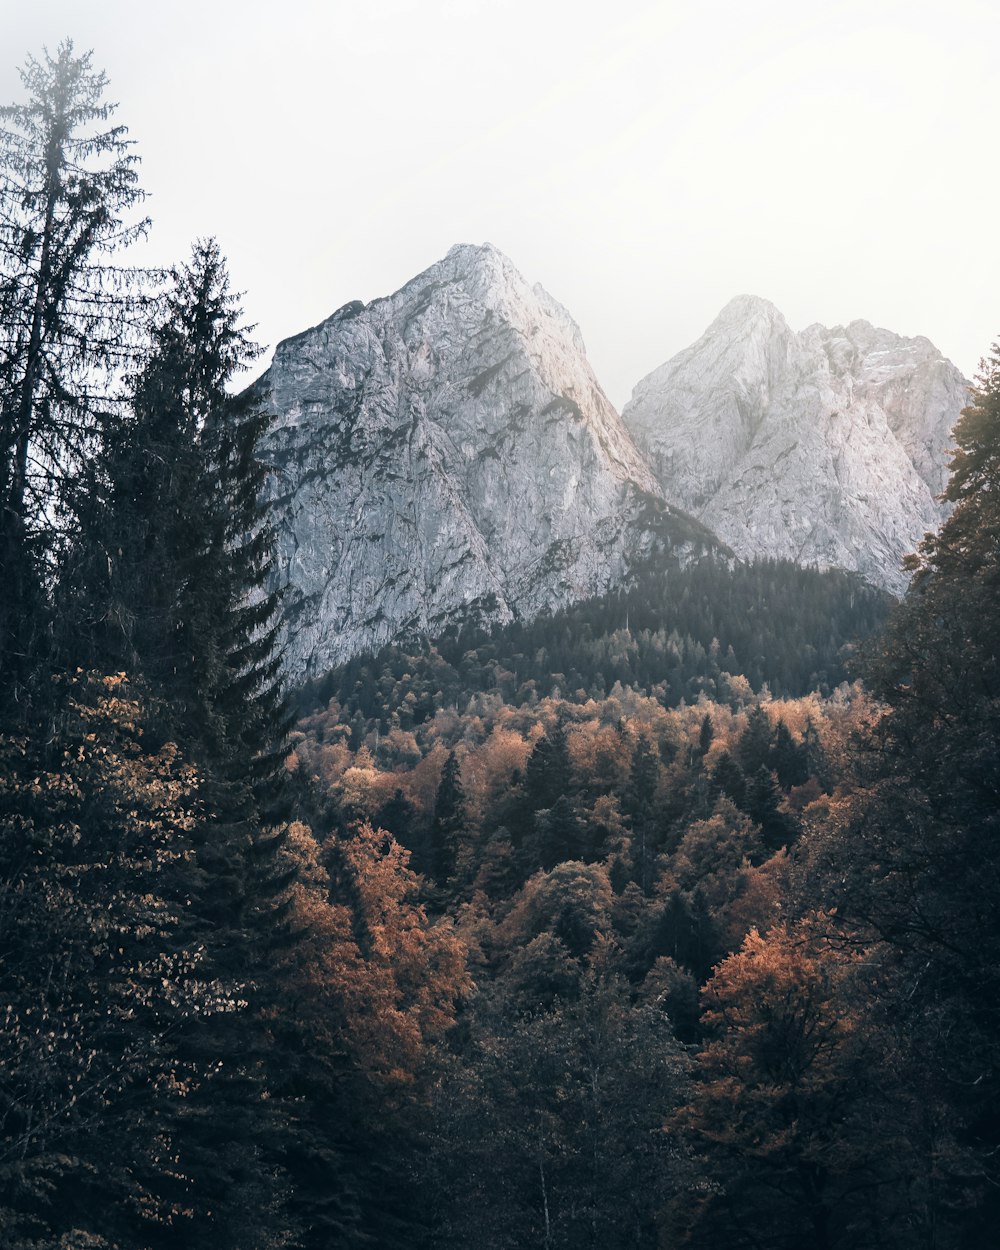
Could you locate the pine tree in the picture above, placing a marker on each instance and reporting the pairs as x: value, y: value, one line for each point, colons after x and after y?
x: 790, y: 760
x: 558, y: 836
x: 68, y: 185
x: 763, y: 798
x: 705, y: 734
x: 548, y: 772
x: 170, y: 579
x: 756, y: 742
x: 643, y: 776
x: 921, y: 855
x: 449, y: 821
x: 730, y: 779
x: 638, y: 803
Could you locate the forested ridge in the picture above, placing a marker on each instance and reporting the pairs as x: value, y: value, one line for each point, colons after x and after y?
x: 668, y: 920
x: 687, y: 631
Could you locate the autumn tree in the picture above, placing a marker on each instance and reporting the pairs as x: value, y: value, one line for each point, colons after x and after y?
x: 369, y: 993
x: 99, y: 975
x: 779, y: 1112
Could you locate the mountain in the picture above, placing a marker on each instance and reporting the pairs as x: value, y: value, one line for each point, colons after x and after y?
x: 826, y: 446
x: 446, y: 455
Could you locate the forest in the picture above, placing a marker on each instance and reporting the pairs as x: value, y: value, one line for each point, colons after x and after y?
x: 668, y: 920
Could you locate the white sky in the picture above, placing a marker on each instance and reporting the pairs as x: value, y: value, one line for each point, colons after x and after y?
x: 644, y: 161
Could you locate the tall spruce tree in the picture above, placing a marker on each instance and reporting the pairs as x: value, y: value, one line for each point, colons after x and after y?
x: 548, y: 772
x: 911, y: 863
x: 931, y: 830
x: 449, y: 823
x: 68, y: 188
x: 170, y: 582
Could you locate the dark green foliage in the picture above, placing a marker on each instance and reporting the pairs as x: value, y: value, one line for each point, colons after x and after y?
x: 817, y: 765
x: 643, y: 775
x: 789, y: 759
x: 678, y: 928
x: 68, y: 321
x: 547, y: 774
x: 730, y: 779
x: 211, y: 649
x: 637, y: 803
x: 168, y: 578
x: 100, y: 975
x: 550, y: 1133
x: 756, y: 743
x: 449, y: 823
x: 763, y: 798
x: 557, y: 837
x: 397, y: 817
x: 687, y: 629
x: 920, y: 861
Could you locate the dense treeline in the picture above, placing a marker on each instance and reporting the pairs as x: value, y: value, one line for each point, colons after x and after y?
x: 686, y: 631
x: 633, y: 927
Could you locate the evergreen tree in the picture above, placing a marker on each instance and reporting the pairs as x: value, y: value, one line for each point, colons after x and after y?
x: 790, y: 760
x: 170, y: 578
x: 817, y: 764
x: 756, y: 742
x: 920, y: 860
x: 548, y: 773
x: 643, y: 776
x: 397, y: 817
x: 558, y: 836
x: 449, y: 821
x: 705, y: 734
x: 638, y: 802
x: 68, y: 183
x: 763, y: 798
x: 730, y: 779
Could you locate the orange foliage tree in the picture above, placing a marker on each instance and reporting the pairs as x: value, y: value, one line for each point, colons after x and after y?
x: 780, y: 1117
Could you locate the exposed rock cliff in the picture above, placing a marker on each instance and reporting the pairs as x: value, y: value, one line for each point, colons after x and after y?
x: 825, y: 446
x: 446, y: 453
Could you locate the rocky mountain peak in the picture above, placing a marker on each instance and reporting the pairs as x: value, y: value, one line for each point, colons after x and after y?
x: 826, y: 446
x: 746, y: 312
x: 445, y: 453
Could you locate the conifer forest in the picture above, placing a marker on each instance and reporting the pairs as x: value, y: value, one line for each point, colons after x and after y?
x: 666, y: 919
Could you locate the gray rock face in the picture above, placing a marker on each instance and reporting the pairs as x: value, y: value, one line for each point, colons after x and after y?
x: 827, y: 446
x: 445, y: 454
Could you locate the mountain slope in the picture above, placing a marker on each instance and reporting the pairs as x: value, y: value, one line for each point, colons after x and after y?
x: 446, y: 454
x: 827, y: 446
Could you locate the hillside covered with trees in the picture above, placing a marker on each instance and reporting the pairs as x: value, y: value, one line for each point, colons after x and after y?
x: 670, y: 920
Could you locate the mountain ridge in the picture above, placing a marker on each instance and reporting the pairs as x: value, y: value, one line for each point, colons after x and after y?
x: 826, y: 445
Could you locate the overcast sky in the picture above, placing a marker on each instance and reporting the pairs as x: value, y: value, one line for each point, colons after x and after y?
x: 644, y: 161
